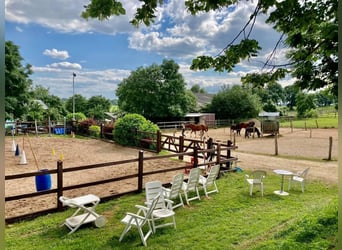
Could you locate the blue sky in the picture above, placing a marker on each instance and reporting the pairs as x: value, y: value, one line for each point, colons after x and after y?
x: 56, y: 41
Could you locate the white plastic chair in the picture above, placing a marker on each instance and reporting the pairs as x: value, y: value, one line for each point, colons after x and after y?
x: 299, y: 177
x: 256, y: 178
x: 85, y: 212
x: 138, y: 220
x: 191, y: 186
x: 163, y: 209
x: 210, y: 180
x: 174, y: 192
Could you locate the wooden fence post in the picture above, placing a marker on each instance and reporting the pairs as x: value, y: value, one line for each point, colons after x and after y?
x: 158, y: 141
x: 330, y: 147
x: 140, y: 171
x: 218, y: 153
x: 195, y: 157
x: 181, y: 147
x: 276, y: 143
x: 59, y: 183
x: 229, y: 144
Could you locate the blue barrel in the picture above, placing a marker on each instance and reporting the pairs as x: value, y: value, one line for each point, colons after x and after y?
x: 43, y: 182
x: 59, y: 131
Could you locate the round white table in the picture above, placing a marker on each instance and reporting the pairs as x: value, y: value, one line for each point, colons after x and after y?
x: 283, y: 173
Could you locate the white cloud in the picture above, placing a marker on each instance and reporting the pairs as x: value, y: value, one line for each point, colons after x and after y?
x: 66, y: 65
x: 54, y: 53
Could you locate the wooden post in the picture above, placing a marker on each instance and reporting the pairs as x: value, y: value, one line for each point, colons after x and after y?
x: 140, y: 171
x: 218, y: 153
x: 276, y: 143
x: 195, y: 157
x: 228, y: 164
x: 158, y: 141
x: 330, y: 147
x: 59, y: 183
x: 310, y: 133
x: 291, y: 125
x: 316, y: 123
x: 181, y: 147
x: 305, y: 125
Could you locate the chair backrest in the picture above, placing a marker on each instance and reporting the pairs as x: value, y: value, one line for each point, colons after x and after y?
x: 258, y: 175
x: 304, y: 173
x: 193, y: 179
x: 176, y: 185
x: 152, y: 206
x: 153, y: 189
x: 214, y: 171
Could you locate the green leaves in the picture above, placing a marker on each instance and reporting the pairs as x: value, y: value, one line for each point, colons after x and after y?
x: 103, y: 9
x: 246, y: 49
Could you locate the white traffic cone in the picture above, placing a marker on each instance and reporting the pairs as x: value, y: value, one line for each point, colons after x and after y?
x: 23, y: 158
x: 14, y: 146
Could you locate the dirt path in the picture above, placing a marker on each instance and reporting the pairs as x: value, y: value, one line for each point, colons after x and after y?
x: 257, y: 153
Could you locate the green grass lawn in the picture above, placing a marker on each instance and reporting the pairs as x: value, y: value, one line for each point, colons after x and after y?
x: 230, y: 219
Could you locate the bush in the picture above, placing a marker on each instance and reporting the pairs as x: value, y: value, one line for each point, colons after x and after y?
x: 94, y: 130
x: 83, y: 127
x: 78, y: 117
x: 127, y: 127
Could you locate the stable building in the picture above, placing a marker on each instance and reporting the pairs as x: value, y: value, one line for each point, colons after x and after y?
x: 201, y: 118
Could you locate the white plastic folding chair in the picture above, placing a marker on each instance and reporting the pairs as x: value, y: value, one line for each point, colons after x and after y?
x: 163, y: 210
x: 174, y: 192
x: 299, y: 177
x: 210, y: 181
x: 85, y: 212
x: 256, y: 178
x: 138, y: 220
x: 191, y: 186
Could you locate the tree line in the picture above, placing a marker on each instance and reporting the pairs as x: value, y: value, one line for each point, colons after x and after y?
x: 157, y: 92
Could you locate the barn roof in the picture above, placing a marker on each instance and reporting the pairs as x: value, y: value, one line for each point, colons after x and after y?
x: 268, y: 114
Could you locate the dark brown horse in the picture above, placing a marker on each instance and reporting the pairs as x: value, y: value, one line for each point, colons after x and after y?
x: 196, y: 127
x: 241, y: 125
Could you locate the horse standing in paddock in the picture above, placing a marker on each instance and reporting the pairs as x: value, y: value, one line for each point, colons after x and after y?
x: 235, y: 127
x: 250, y: 130
x: 197, y: 127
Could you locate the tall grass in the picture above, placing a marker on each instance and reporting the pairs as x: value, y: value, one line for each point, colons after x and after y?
x: 230, y: 219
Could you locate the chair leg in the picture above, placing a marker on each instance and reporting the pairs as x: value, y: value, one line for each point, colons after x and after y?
x: 127, y: 228
x: 302, y: 184
x: 250, y: 190
x: 181, y: 199
x: 262, y: 189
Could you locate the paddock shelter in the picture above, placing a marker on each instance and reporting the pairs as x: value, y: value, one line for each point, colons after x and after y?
x: 269, y: 122
x: 201, y: 118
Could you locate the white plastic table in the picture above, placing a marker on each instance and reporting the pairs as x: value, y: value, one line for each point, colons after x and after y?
x: 283, y: 173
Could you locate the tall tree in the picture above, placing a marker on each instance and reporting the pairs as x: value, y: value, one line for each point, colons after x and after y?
x: 17, y: 82
x: 234, y: 103
x: 196, y: 88
x: 80, y: 104
x: 96, y: 106
x: 156, y: 92
x: 308, y: 28
x: 56, y: 108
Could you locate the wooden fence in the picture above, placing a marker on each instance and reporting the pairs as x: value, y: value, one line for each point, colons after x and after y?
x: 174, y: 144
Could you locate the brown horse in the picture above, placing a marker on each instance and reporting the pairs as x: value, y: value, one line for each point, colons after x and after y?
x: 242, y: 125
x: 196, y: 127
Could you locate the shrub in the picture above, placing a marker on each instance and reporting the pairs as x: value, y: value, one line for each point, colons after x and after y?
x: 83, y: 127
x: 127, y: 127
x: 78, y: 117
x: 94, y: 130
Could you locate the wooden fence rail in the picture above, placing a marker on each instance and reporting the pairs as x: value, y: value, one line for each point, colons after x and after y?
x: 141, y: 160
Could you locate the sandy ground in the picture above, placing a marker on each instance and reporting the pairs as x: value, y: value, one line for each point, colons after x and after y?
x: 42, y: 152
